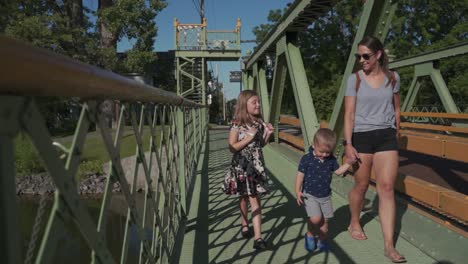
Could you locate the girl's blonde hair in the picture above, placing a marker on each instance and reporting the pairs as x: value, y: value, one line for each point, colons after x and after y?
x: 241, y: 115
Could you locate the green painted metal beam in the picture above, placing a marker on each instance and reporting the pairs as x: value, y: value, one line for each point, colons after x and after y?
x: 300, y: 85
x: 10, y: 248
x: 443, y: 91
x: 263, y: 91
x: 214, y: 55
x: 411, y: 94
x: 279, y: 80
x: 181, y: 142
x: 367, y: 26
x: 451, y: 51
x: 300, y: 14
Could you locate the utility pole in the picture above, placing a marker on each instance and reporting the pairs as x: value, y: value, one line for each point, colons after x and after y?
x: 202, y: 11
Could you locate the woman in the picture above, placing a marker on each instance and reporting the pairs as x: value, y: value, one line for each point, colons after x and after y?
x: 371, y: 125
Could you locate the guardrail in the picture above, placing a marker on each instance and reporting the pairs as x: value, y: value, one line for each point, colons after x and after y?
x: 196, y: 37
x: 450, y: 147
x: 172, y: 124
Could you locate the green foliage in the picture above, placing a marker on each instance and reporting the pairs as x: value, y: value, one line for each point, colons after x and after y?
x: 90, y: 167
x: 262, y: 30
x: 133, y: 19
x: 418, y: 26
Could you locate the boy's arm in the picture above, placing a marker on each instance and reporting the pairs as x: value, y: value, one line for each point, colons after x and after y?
x: 299, y: 181
x: 342, y: 169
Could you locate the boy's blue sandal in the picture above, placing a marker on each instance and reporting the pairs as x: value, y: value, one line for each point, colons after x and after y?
x: 323, y: 246
x: 309, y: 243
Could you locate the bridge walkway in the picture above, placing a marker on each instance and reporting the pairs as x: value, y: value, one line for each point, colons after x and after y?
x: 212, y: 233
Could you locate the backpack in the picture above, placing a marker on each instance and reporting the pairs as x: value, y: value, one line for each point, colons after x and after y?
x: 358, y: 80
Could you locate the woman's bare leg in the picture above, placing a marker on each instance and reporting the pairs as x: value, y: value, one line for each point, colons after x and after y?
x: 386, y: 169
x: 356, y: 195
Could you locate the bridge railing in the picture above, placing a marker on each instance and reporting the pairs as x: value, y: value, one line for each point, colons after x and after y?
x: 196, y: 37
x: 173, y: 126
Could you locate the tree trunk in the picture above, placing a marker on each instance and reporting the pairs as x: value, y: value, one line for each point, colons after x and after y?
x: 74, y: 10
x: 108, y: 40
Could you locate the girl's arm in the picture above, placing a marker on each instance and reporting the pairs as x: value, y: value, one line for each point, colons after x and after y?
x: 299, y: 181
x: 350, y: 108
x: 268, y: 131
x: 236, y: 145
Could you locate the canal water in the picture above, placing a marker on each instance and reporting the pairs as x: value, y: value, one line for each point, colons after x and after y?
x: 72, y: 247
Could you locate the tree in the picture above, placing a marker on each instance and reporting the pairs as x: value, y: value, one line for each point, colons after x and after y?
x: 133, y: 19
x: 67, y: 27
x: 261, y: 31
x: 418, y: 26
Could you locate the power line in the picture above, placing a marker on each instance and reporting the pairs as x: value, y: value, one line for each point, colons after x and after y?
x: 197, y: 7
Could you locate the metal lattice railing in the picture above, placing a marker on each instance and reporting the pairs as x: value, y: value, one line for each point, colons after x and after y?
x: 222, y: 40
x: 175, y: 128
x: 197, y: 37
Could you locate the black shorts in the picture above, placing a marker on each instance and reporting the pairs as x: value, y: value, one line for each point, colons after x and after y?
x: 375, y: 140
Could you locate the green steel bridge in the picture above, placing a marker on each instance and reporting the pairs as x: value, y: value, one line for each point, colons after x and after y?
x: 182, y: 216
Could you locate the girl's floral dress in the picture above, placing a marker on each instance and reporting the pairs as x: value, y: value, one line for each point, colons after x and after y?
x: 246, y: 175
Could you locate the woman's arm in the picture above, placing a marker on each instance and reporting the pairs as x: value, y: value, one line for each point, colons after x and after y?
x: 396, y: 105
x: 350, y: 108
x: 236, y: 145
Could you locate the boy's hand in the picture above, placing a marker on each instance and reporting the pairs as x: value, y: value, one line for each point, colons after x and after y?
x: 299, y: 200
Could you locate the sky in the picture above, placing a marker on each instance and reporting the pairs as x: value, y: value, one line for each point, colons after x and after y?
x: 220, y: 15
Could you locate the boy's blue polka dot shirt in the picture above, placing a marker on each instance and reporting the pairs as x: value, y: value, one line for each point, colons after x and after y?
x: 317, y: 174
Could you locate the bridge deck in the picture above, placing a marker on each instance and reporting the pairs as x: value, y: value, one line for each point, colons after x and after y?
x: 212, y: 233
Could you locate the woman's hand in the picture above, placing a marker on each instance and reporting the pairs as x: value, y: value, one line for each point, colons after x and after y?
x: 351, y: 154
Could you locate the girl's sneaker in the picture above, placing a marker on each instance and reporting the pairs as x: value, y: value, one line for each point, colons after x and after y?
x: 323, y: 246
x: 309, y: 243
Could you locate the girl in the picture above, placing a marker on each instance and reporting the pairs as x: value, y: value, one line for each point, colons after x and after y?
x: 247, y: 177
x: 371, y: 124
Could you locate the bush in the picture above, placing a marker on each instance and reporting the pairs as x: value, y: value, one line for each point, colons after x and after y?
x: 88, y: 167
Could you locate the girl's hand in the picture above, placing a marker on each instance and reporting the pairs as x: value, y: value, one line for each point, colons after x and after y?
x: 299, y: 200
x: 269, y: 127
x: 251, y: 132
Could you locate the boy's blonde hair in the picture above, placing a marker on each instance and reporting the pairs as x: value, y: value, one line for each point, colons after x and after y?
x: 241, y: 115
x: 325, y: 137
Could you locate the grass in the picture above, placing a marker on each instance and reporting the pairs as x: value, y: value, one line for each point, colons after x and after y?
x: 94, y: 152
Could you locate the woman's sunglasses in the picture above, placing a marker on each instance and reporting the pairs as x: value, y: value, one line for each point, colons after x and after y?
x: 365, y: 56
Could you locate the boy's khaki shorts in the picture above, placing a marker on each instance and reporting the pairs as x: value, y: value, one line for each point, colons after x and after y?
x: 318, y: 206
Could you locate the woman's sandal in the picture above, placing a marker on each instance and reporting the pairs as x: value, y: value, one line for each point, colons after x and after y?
x: 394, y: 256
x: 357, y: 234
x: 246, y: 233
